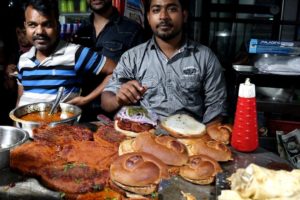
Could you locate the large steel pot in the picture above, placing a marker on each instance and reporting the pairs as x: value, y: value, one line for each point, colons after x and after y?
x: 18, y: 112
x: 10, y: 137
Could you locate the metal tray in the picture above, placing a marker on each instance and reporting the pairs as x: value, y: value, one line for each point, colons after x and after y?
x: 14, y: 186
x: 245, y: 68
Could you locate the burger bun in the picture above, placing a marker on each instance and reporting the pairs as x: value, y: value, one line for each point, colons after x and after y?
x: 200, y: 169
x: 183, y: 126
x: 139, y: 173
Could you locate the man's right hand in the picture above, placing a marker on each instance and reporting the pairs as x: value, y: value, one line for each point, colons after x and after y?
x: 130, y: 93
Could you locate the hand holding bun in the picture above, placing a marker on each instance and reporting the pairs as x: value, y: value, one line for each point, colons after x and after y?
x: 219, y: 132
x: 139, y: 173
x: 200, y: 169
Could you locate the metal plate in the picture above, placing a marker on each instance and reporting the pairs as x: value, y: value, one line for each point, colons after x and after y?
x: 14, y: 186
x: 244, y: 68
x: 171, y: 190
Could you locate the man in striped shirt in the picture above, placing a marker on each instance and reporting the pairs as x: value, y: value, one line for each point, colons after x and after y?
x: 52, y: 63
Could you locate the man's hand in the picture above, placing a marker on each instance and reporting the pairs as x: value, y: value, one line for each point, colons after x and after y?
x: 10, y: 69
x: 78, y: 101
x: 130, y: 93
x: 10, y: 81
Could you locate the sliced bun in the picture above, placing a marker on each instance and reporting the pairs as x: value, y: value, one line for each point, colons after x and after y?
x: 220, y: 132
x: 141, y: 190
x: 183, y: 126
x: 206, y: 181
x: 126, y: 132
x: 200, y: 169
x: 138, y: 172
x: 211, y: 148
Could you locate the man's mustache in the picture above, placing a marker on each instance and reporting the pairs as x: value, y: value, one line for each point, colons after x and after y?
x: 40, y: 37
x: 165, y: 23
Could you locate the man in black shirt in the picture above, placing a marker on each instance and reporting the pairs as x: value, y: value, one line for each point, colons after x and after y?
x: 108, y: 33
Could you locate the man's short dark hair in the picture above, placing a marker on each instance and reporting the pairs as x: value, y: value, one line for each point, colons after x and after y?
x: 184, y: 4
x: 46, y: 7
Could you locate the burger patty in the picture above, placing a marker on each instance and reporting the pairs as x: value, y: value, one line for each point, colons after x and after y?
x: 74, y: 177
x: 62, y: 134
x: 134, y: 126
x: 108, y: 133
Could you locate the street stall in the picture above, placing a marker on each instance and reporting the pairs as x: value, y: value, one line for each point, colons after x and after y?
x: 77, y: 161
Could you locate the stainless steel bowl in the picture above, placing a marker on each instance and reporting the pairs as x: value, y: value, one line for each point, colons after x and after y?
x: 10, y: 137
x: 18, y: 112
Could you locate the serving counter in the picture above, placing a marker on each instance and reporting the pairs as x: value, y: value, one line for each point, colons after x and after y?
x: 14, y: 186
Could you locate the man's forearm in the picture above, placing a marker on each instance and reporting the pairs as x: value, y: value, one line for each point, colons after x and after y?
x: 20, y: 93
x: 97, y: 91
x: 109, y: 102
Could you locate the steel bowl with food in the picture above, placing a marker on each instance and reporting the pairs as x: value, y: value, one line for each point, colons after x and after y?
x: 10, y: 137
x: 33, y: 115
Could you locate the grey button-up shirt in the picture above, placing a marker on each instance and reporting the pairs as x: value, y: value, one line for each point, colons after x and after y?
x: 191, y: 81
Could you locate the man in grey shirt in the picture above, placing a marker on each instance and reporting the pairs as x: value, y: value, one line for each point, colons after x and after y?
x: 169, y: 73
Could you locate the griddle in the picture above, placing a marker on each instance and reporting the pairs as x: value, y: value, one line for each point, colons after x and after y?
x: 14, y: 186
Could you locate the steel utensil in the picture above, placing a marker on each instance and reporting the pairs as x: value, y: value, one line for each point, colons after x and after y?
x: 57, y: 100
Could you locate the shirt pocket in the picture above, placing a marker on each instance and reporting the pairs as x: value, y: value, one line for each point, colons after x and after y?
x: 190, y: 90
x: 190, y: 84
x: 113, y: 46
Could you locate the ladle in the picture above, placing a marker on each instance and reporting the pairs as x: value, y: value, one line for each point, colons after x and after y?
x: 57, y: 100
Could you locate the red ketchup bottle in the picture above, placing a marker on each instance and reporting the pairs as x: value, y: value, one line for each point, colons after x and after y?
x: 244, y: 134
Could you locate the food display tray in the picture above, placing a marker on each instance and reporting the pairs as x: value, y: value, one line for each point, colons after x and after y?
x: 14, y: 186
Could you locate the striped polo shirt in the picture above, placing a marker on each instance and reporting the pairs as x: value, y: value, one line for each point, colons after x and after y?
x: 64, y: 67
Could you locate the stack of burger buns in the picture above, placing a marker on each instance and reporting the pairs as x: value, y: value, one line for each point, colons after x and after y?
x: 220, y: 132
x: 200, y: 169
x: 165, y: 148
x: 138, y: 173
x: 190, y: 150
x: 197, y: 138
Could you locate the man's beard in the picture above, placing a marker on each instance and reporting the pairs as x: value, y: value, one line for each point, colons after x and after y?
x: 166, y: 35
x: 103, y: 9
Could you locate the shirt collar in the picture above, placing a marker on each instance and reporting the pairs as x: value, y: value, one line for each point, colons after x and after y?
x: 58, y: 50
x: 185, y: 46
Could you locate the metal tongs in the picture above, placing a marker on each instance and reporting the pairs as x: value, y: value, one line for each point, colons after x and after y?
x: 57, y: 100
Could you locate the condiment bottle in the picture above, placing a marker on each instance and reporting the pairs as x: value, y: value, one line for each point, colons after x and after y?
x: 244, y: 134
x: 82, y: 6
x: 63, y: 6
x: 70, y: 6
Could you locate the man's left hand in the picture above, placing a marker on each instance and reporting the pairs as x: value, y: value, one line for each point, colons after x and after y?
x: 78, y: 101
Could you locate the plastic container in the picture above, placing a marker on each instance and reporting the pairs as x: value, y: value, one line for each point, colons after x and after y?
x: 245, y: 133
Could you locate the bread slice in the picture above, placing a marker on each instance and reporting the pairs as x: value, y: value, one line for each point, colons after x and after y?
x: 183, y: 126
